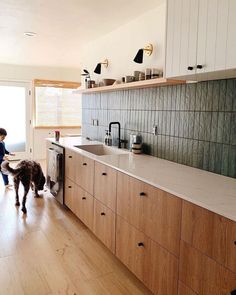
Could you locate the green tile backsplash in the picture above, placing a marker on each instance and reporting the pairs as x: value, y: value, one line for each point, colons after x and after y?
x: 196, y: 122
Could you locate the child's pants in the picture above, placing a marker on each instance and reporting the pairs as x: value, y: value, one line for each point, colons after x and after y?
x: 5, y: 178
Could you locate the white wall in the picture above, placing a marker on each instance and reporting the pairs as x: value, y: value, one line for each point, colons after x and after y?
x: 121, y: 46
x: 28, y: 73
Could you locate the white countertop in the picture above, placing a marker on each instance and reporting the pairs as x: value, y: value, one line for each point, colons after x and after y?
x: 214, y: 192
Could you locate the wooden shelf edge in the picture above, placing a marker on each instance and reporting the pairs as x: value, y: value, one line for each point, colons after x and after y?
x: 133, y: 85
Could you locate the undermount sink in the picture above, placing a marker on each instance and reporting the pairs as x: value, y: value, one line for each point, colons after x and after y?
x: 101, y: 150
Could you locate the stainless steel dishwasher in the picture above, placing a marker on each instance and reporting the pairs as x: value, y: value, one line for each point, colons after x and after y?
x: 55, y: 171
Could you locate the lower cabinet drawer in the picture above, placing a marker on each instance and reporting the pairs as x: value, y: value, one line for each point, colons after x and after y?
x: 153, y: 265
x: 104, y: 224
x: 183, y: 290
x: 84, y: 208
x: 203, y: 274
x: 70, y: 193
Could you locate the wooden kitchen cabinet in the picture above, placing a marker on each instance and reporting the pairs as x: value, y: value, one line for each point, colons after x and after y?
x: 104, y: 224
x: 184, y: 290
x: 210, y: 233
x: 70, y: 194
x: 204, y: 275
x: 150, y: 210
x: 70, y: 164
x: 105, y: 185
x: 85, y: 207
x: 152, y: 264
x: 200, y: 38
x: 84, y: 173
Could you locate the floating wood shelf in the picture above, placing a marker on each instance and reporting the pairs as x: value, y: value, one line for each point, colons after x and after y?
x: 133, y: 85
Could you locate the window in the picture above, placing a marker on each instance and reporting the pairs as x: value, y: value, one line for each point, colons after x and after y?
x: 57, y: 106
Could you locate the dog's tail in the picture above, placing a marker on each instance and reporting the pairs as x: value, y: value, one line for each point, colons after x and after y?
x: 6, y: 169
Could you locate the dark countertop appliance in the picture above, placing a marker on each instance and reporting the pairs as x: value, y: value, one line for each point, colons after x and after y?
x: 55, y: 171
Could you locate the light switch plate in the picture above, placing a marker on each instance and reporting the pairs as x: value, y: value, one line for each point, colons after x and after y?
x: 95, y: 122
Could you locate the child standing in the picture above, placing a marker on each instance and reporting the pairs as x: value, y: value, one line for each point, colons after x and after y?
x: 3, y: 151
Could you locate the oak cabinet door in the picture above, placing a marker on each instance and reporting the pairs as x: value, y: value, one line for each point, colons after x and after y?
x: 153, y: 265
x: 70, y: 164
x: 70, y: 194
x: 105, y: 185
x: 184, y: 290
x: 85, y: 173
x: 104, y: 224
x: 85, y: 207
x: 203, y: 274
x: 210, y: 233
x: 150, y: 210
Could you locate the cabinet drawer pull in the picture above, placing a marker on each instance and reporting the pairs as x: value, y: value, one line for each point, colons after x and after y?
x: 233, y: 292
x: 84, y: 198
x: 84, y: 164
x: 104, y: 173
x: 190, y: 68
x: 70, y: 157
x: 142, y: 194
x: 235, y: 243
x: 69, y: 186
x: 140, y: 244
x: 199, y: 66
x: 102, y: 213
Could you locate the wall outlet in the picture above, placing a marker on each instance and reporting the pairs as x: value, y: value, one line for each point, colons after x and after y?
x: 95, y: 122
x: 155, y: 130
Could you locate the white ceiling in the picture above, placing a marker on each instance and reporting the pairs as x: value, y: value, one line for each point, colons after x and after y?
x: 62, y: 27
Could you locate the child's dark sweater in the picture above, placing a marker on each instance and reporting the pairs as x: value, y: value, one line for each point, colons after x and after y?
x: 3, y: 151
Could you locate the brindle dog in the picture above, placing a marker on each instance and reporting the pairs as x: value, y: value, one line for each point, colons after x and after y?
x: 30, y: 174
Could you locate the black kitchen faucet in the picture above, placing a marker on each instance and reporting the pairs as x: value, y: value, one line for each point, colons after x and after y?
x: 116, y: 123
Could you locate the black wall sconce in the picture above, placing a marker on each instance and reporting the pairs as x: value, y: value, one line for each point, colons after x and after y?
x: 147, y: 50
x: 99, y: 66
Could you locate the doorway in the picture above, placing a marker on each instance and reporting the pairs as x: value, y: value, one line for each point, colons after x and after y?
x: 15, y: 117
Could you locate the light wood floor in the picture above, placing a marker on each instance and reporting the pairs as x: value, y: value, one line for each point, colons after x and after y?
x: 50, y: 251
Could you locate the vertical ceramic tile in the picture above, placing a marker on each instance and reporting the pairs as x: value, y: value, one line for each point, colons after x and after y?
x: 232, y: 161
x: 226, y: 124
x: 195, y: 153
x: 216, y: 95
x: 225, y: 159
x: 171, y: 148
x: 181, y: 124
x: 209, y: 96
x: 178, y: 98
x: 185, y: 151
x: 169, y: 98
x: 196, y: 125
x: 191, y: 92
x: 182, y: 97
x: 190, y: 152
x: 206, y: 155
x: 198, y: 97
x: 220, y: 127
x: 222, y: 95
x: 175, y: 149
x: 233, y: 129
x: 212, y: 157
x: 200, y: 154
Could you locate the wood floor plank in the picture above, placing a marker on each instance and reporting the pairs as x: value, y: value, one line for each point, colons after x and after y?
x: 50, y: 252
